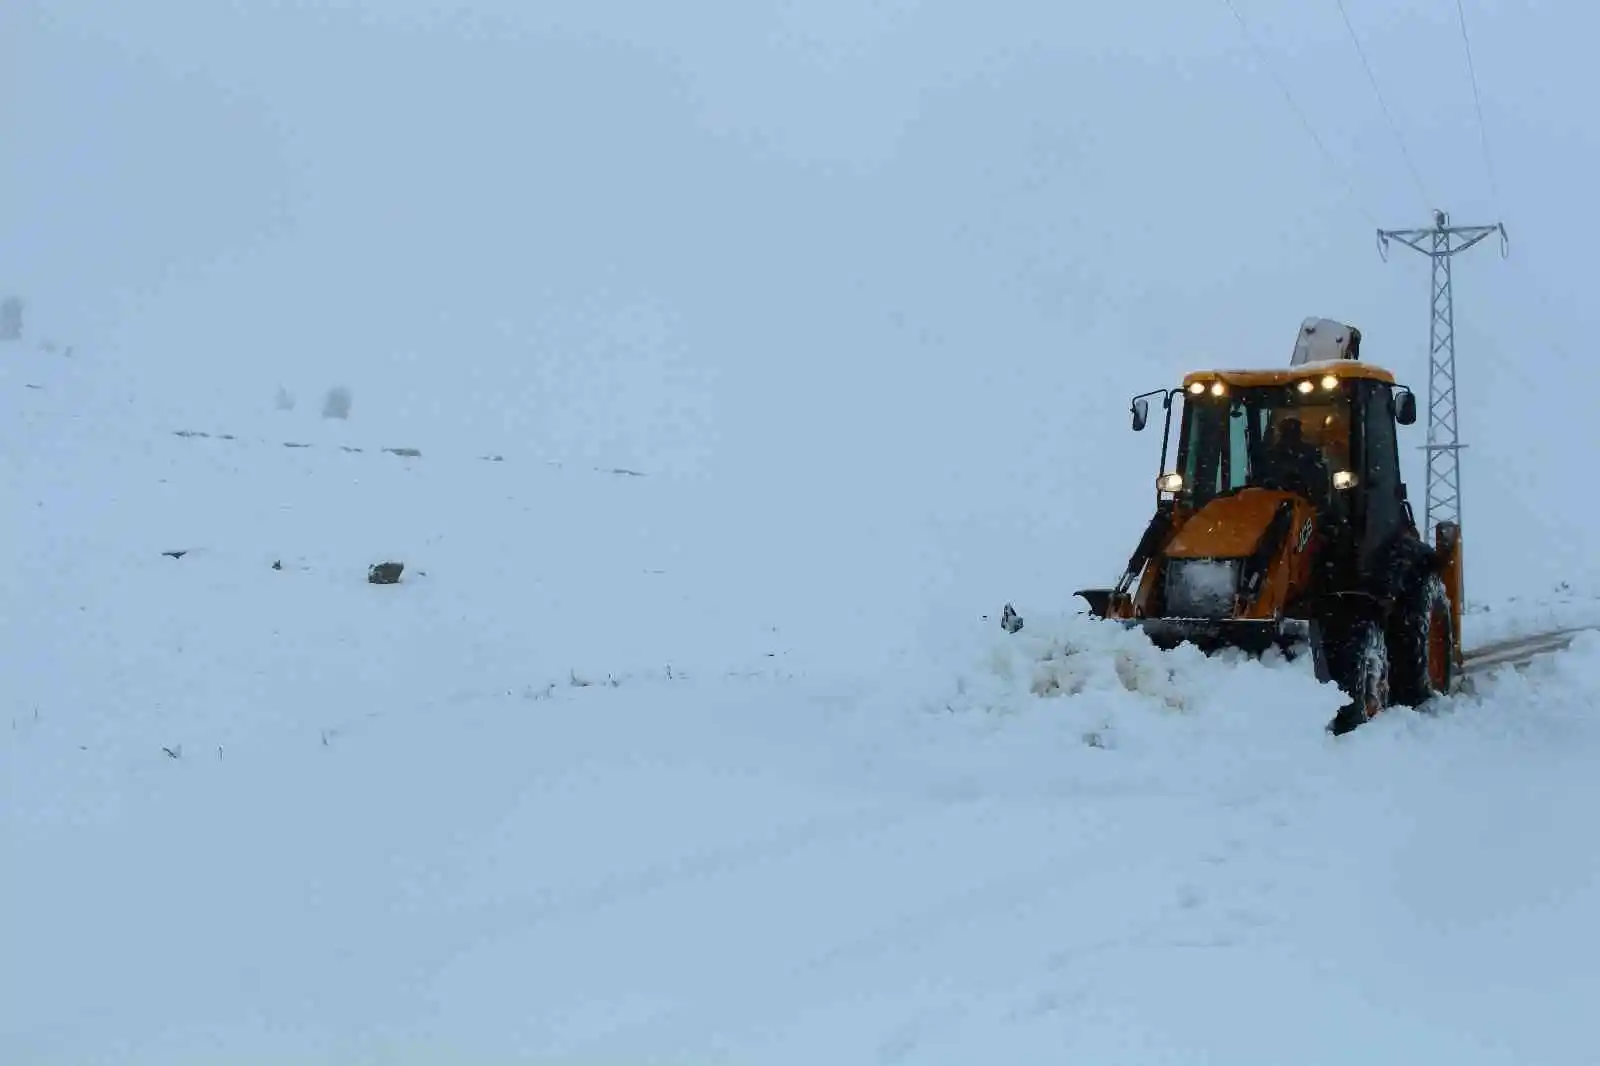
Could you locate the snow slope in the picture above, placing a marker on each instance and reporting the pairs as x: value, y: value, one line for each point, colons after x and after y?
x: 634, y: 768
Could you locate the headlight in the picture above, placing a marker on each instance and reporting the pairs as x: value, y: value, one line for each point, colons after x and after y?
x: 1330, y: 382
x: 1170, y: 482
x: 1305, y: 386
x: 1197, y: 388
x: 1344, y: 479
x: 1218, y: 388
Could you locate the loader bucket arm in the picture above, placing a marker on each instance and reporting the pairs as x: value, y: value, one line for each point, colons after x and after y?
x: 1155, y: 535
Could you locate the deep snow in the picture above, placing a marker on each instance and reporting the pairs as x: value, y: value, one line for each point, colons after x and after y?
x: 639, y: 768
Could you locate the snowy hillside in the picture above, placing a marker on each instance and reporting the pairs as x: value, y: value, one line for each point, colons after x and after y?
x: 717, y: 372
x: 631, y: 768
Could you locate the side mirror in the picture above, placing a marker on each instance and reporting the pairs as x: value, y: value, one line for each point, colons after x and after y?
x: 1405, y: 411
x: 1141, y: 413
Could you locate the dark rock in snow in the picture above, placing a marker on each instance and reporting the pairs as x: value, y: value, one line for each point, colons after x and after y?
x: 385, y: 573
x: 11, y: 318
x: 337, y: 403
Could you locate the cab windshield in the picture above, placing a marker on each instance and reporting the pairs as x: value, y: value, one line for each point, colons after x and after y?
x: 1277, y: 437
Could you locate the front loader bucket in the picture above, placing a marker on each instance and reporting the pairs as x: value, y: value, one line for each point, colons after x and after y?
x: 1252, y: 636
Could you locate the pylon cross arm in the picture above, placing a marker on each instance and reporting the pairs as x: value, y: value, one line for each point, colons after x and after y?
x: 1412, y: 238
x: 1472, y: 236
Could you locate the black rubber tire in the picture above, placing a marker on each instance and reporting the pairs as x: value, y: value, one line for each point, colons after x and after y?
x: 1422, y: 645
x: 1358, y: 660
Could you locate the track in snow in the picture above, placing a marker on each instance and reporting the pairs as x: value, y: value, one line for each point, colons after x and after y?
x: 1519, y: 651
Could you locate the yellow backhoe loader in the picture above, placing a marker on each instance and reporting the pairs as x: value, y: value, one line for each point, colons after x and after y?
x: 1283, y: 520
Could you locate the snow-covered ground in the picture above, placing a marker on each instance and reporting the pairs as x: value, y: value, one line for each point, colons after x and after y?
x: 635, y: 768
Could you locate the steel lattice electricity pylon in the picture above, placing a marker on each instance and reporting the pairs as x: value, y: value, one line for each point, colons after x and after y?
x: 1440, y: 243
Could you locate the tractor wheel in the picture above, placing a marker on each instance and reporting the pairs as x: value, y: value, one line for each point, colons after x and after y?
x: 1358, y: 659
x: 1423, y: 643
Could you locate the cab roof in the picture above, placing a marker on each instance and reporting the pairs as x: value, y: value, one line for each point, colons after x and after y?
x: 1339, y: 368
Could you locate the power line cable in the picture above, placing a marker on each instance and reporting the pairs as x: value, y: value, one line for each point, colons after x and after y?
x: 1288, y: 97
x: 1394, y: 127
x: 1477, y: 102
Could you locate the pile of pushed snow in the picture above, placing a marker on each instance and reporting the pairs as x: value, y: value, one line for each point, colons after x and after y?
x: 1070, y: 702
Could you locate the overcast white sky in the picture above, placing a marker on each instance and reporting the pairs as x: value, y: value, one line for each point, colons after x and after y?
x: 673, y: 226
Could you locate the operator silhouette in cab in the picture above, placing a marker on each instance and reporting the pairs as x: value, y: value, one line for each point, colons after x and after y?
x: 1289, y: 463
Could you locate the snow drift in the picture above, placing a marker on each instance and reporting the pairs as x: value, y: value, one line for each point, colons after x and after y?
x: 626, y: 769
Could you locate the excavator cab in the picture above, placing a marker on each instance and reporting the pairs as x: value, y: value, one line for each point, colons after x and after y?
x: 1283, y: 521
